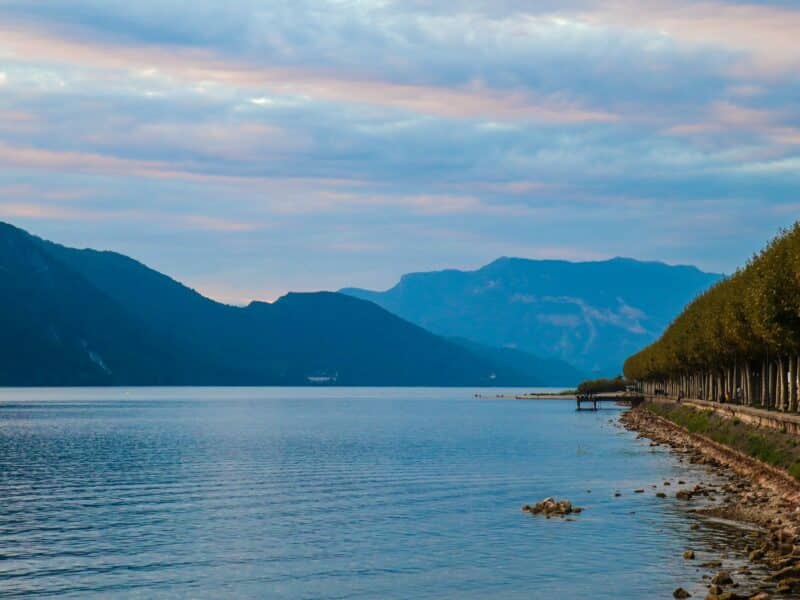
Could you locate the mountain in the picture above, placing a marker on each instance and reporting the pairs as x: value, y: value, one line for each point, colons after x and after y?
x: 547, y: 371
x: 590, y: 314
x: 57, y: 329
x: 85, y: 317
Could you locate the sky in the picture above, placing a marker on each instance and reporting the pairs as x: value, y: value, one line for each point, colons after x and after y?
x: 253, y: 147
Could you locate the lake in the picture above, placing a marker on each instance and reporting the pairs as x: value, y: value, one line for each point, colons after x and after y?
x: 330, y: 493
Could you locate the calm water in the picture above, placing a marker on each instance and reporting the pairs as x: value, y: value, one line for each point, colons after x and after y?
x: 328, y: 493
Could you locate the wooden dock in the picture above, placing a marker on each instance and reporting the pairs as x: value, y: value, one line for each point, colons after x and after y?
x: 595, y: 400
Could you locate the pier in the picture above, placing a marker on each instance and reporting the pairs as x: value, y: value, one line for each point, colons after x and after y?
x: 595, y: 400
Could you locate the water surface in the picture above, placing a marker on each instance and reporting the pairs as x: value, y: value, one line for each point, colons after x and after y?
x: 328, y: 493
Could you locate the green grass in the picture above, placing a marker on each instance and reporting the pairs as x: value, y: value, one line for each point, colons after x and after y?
x: 776, y: 448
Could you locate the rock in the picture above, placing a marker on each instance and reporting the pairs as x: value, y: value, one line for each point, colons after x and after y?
x: 689, y: 555
x: 550, y: 507
x: 640, y: 491
x: 785, y: 548
x: 681, y: 593
x: 683, y: 495
x: 757, y: 554
x: 661, y: 495
x: 788, y: 585
x: 722, y: 578
x: 792, y: 572
x: 760, y: 596
x: 782, y: 563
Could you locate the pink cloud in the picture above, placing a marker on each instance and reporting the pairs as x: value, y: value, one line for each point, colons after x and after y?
x: 50, y: 212
x: 93, y: 163
x: 767, y: 35
x: 726, y: 117
x: 39, y: 211
x: 196, y: 67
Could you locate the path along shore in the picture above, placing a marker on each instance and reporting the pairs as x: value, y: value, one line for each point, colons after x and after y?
x: 758, y: 494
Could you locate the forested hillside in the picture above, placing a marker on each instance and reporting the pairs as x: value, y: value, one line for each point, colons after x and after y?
x: 84, y: 317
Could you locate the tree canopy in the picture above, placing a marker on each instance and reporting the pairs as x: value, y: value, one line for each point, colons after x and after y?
x: 752, y: 315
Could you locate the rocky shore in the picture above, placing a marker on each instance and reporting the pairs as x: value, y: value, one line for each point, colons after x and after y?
x: 744, y: 490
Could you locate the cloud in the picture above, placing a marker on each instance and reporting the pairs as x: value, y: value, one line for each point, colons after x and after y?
x: 38, y: 211
x: 204, y: 68
x: 399, y: 135
x: 764, y: 33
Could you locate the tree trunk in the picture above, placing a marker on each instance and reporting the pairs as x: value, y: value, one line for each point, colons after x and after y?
x: 747, y: 386
x: 726, y: 382
x: 771, y: 392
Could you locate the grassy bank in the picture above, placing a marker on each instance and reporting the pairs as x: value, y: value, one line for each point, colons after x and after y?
x: 775, y: 448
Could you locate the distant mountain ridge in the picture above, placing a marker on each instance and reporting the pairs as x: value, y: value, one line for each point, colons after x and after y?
x: 87, y: 317
x: 590, y: 314
x: 549, y: 371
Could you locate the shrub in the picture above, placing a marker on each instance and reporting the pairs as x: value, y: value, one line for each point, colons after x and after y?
x: 603, y: 386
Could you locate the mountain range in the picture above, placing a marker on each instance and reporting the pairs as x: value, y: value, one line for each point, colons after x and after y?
x: 87, y: 317
x: 591, y: 314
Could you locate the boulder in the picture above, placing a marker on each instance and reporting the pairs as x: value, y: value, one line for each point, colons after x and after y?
x: 722, y: 578
x: 550, y: 507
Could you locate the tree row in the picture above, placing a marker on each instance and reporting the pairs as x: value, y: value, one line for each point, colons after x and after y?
x: 737, y: 342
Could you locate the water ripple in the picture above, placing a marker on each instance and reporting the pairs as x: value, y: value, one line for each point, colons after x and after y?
x: 326, y: 494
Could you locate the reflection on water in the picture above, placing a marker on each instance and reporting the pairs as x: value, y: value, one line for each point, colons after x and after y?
x: 330, y: 493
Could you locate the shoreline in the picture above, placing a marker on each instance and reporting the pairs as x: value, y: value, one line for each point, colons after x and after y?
x: 764, y: 498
